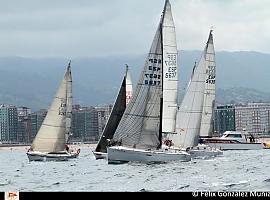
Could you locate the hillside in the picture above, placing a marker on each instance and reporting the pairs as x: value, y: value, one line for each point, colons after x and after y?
x: 32, y: 82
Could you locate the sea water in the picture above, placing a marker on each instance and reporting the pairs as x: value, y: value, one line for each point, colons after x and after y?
x: 234, y: 171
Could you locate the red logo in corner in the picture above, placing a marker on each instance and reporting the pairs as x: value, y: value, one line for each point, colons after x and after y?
x: 11, y: 195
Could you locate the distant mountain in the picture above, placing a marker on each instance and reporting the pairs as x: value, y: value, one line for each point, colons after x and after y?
x: 33, y: 82
x: 241, y: 95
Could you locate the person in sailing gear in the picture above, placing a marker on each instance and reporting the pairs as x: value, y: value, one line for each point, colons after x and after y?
x: 251, y: 138
x: 67, y: 147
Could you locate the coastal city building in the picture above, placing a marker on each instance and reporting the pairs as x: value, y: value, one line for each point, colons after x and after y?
x: 24, y: 125
x: 36, y: 121
x: 253, y: 118
x: 103, y: 116
x: 84, y: 124
x: 224, y: 119
x: 19, y: 125
x: 8, y: 123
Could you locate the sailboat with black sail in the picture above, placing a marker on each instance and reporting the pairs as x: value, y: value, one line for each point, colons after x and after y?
x: 152, y: 110
x: 123, y: 98
x: 50, y: 141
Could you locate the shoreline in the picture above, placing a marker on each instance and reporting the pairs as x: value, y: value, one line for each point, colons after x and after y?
x: 26, y: 147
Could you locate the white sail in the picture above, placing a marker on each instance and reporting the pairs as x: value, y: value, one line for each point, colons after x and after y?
x: 189, y: 115
x: 140, y: 132
x: 51, y: 135
x: 210, y: 90
x: 140, y: 125
x: 170, y: 72
x: 128, y: 86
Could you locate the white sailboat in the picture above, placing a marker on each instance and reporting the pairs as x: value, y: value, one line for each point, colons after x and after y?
x: 123, y: 98
x: 152, y: 110
x: 50, y: 141
x: 195, y: 112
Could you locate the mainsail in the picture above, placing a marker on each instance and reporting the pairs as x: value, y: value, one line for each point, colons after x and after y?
x: 51, y: 136
x: 141, y: 125
x: 123, y: 98
x: 210, y: 90
x: 189, y: 115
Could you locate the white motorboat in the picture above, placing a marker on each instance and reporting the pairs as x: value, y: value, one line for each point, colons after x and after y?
x: 234, y: 140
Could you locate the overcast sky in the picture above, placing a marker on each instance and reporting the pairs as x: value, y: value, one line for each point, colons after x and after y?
x: 79, y: 28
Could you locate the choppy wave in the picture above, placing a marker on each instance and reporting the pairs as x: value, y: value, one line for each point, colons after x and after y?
x: 236, y: 170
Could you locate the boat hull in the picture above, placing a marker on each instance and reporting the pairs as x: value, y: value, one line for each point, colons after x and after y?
x: 100, y: 155
x: 38, y: 156
x: 118, y: 155
x: 204, y: 151
x: 232, y: 144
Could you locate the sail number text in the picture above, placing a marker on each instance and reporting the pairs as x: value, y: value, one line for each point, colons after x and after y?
x: 170, y: 66
x: 211, y: 72
x: 152, y: 75
x: 62, y: 108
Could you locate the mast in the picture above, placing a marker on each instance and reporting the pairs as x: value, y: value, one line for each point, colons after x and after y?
x: 69, y: 102
x: 126, y: 69
x: 162, y: 75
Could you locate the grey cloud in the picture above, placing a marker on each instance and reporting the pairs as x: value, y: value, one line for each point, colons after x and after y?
x: 110, y: 27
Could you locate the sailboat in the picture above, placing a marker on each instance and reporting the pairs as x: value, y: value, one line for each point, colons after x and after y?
x: 152, y: 111
x: 123, y: 98
x: 50, y: 141
x: 195, y: 112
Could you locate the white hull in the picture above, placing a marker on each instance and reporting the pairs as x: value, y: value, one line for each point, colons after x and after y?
x: 204, y: 151
x: 118, y: 154
x: 39, y: 156
x: 100, y: 155
x: 234, y: 145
